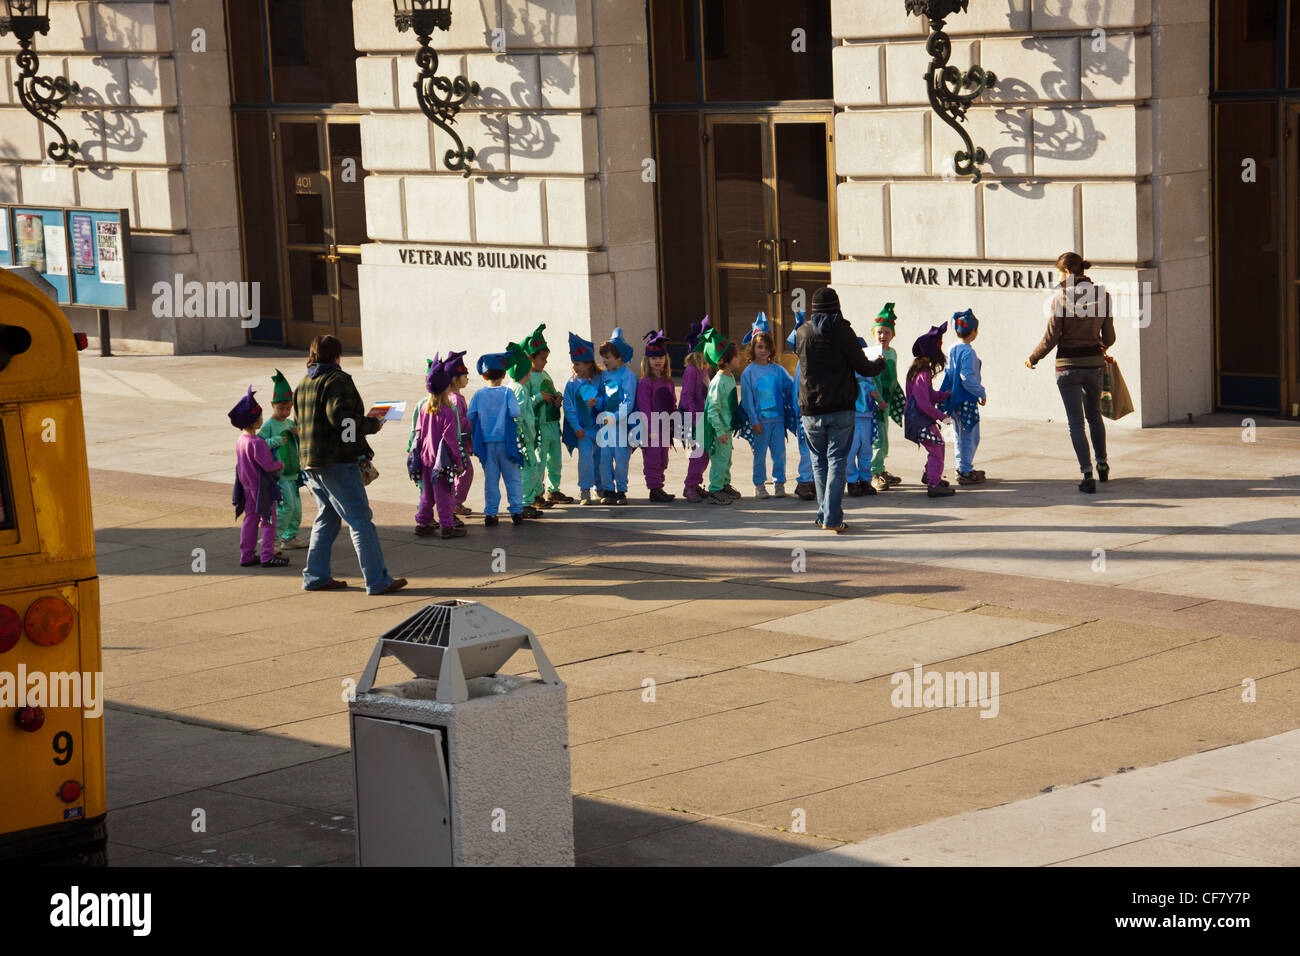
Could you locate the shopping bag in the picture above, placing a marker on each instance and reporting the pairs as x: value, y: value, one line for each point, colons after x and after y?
x: 1115, y: 399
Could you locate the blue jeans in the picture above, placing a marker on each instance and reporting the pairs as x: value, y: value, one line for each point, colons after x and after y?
x: 341, y: 496
x: 805, y: 463
x: 613, y: 467
x: 864, y: 433
x: 497, y: 467
x: 968, y: 442
x: 829, y: 439
x: 772, y: 440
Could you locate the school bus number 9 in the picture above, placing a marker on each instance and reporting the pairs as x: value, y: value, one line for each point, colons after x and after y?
x: 52, y: 800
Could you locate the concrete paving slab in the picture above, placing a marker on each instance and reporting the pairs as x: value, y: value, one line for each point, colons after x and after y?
x: 851, y: 620
x: 741, y: 646
x: 324, y: 783
x: 172, y: 820
x: 705, y: 843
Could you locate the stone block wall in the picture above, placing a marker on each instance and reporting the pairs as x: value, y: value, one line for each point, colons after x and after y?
x: 153, y: 120
x: 1098, y: 142
x: 561, y: 128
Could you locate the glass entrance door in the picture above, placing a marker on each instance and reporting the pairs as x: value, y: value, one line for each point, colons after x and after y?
x: 770, y: 210
x: 323, y: 222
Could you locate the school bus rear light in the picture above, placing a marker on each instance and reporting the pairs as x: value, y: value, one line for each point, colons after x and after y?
x: 49, y: 621
x: 82, y: 341
x: 11, y: 627
x: 30, y: 719
x: 70, y: 792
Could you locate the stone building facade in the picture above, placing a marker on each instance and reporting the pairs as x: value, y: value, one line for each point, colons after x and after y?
x: 640, y: 164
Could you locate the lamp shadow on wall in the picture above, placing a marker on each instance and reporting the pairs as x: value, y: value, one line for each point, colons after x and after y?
x: 107, y: 113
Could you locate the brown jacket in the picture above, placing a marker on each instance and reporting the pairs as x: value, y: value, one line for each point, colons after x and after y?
x: 1081, y: 327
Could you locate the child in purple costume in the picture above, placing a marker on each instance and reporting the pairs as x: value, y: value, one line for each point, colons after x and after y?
x: 656, y: 393
x: 695, y: 388
x: 438, y: 444
x: 257, y: 486
x: 921, y: 415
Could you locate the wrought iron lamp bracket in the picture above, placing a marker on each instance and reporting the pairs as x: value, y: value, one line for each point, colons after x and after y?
x: 440, y: 97
x: 41, y: 96
x: 951, y: 91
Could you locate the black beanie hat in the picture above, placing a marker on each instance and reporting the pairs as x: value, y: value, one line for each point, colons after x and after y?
x: 826, y: 300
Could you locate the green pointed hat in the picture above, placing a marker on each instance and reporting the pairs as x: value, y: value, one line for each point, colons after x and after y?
x: 536, y: 342
x: 283, y: 390
x: 518, y: 362
x: 714, y: 346
x: 886, y: 318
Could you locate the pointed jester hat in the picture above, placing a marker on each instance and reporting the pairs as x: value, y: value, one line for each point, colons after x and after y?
x: 799, y: 319
x: 580, y: 350
x: 283, y: 391
x: 519, y: 364
x: 656, y: 344
x: 694, y: 336
x: 964, y: 323
x: 492, y: 362
x: 536, y: 342
x: 761, y: 324
x: 624, y: 349
x: 437, y: 381
x: 886, y: 319
x: 246, y: 411
x: 714, y: 346
x: 430, y: 363
x: 454, y: 365
x: 931, y: 343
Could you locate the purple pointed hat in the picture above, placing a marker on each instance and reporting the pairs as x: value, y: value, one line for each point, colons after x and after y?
x: 930, y: 344
x: 246, y: 411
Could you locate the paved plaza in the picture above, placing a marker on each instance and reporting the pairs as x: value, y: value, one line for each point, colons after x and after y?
x: 1145, y: 642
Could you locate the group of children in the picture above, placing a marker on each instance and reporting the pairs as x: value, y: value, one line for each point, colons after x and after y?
x: 519, y: 423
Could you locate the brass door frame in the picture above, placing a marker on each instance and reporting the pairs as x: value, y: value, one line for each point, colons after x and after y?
x: 329, y: 250
x: 770, y: 256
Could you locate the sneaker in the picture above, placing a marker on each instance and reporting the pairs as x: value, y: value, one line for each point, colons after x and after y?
x: 463, y: 511
x: 397, y: 585
x: 969, y: 478
x: 892, y: 479
x: 456, y: 522
x: 296, y: 542
x: 531, y: 512
x: 608, y: 498
x: 660, y: 497
x: 806, y: 490
x: 880, y: 483
x: 760, y: 492
x: 837, y: 530
x: 854, y: 489
x: 452, y: 532
x: 940, y: 491
x: 943, y: 483
x: 491, y: 521
x: 620, y: 498
x: 977, y: 471
x: 541, y: 504
x: 250, y: 564
x: 516, y: 519
x: 279, y: 561
x: 1103, y: 471
x: 424, y: 530
x: 719, y: 497
x: 867, y: 488
x: 694, y: 494
x: 559, y: 498
x: 587, y: 498
x: 778, y: 489
x: 1088, y: 486
x: 732, y: 493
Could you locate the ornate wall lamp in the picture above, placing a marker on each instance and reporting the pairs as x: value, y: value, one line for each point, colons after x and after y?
x: 440, y: 98
x: 42, y: 96
x: 946, y: 83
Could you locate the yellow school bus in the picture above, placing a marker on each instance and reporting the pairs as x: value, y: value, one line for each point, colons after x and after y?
x: 52, y: 802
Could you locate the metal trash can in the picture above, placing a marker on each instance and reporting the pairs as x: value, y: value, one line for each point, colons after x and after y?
x: 461, y: 766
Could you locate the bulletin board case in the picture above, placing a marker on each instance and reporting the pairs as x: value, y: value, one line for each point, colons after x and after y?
x: 84, y: 253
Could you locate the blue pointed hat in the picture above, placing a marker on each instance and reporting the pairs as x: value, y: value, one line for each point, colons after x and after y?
x: 624, y: 349
x: 492, y: 362
x: 580, y: 350
x: 696, y: 334
x: 799, y: 319
x: 964, y: 323
x: 761, y: 324
x: 246, y: 411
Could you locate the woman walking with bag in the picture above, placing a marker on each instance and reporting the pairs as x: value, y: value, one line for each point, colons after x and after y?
x: 1081, y: 328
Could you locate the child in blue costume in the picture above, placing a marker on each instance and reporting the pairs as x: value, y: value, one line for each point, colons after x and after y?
x: 762, y: 396
x: 618, y: 385
x: 805, y: 488
x: 962, y: 378
x: 858, y: 473
x: 581, y: 396
x: 493, y: 412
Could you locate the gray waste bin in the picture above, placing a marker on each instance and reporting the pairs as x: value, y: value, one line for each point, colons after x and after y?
x: 461, y: 766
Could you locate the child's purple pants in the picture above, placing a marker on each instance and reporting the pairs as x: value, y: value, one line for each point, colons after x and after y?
x: 654, y: 463
x: 933, y: 462
x: 695, y: 468
x: 436, y: 493
x: 248, y: 534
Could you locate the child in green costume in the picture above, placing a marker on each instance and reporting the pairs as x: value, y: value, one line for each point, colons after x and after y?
x: 546, y: 402
x: 281, y: 435
x: 519, y: 365
x: 721, y: 408
x: 891, y: 395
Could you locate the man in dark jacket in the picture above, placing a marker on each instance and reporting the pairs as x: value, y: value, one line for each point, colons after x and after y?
x: 332, y: 426
x: 829, y: 355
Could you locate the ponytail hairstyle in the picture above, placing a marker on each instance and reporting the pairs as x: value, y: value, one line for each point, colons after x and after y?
x: 1073, y: 263
x: 927, y: 364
